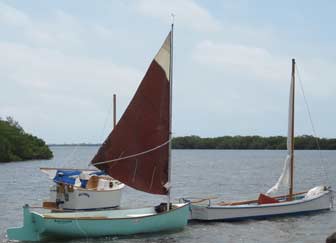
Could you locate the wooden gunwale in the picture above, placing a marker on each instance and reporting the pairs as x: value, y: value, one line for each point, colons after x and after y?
x: 254, y: 201
x: 109, y: 218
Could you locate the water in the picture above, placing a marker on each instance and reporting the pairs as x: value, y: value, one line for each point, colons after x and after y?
x: 226, y: 174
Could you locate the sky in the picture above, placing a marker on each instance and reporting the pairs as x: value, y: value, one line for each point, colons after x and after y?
x: 62, y: 61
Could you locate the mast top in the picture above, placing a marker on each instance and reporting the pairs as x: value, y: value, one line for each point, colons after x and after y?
x: 172, y: 19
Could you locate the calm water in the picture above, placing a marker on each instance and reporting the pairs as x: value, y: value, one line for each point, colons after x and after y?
x: 227, y: 174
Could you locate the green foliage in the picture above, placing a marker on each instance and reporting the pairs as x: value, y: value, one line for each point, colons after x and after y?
x: 16, y: 145
x: 251, y: 142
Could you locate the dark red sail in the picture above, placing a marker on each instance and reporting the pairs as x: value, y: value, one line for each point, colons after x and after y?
x: 136, y: 151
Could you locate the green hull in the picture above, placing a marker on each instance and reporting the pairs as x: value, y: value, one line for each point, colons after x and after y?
x: 96, y: 224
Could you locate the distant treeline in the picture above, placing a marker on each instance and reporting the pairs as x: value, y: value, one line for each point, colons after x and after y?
x: 251, y: 142
x: 241, y: 142
x: 16, y: 144
x: 73, y: 144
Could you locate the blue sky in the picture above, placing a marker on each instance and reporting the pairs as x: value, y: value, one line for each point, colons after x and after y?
x: 62, y: 61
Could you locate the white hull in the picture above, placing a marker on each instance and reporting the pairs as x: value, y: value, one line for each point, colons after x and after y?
x: 87, y: 199
x: 246, y: 211
x: 99, y: 192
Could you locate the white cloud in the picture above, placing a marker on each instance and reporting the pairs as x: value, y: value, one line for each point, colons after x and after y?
x: 263, y: 66
x: 61, y: 30
x: 252, y: 86
x: 242, y: 60
x: 46, y: 70
x: 42, y: 56
x: 39, y: 85
x: 188, y: 13
x: 318, y: 77
x: 13, y: 17
x: 45, y: 67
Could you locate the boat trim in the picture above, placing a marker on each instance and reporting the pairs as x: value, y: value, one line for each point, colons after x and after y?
x: 256, y: 200
x: 266, y: 215
x: 89, y: 209
x: 280, y: 204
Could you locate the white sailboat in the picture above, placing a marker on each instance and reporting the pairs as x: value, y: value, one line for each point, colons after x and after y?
x: 81, y: 189
x: 316, y: 199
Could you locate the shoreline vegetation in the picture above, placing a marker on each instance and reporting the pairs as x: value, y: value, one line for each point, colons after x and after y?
x: 304, y: 142
x: 17, y: 145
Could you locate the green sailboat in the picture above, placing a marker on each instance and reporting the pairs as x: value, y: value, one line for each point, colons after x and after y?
x: 138, y: 153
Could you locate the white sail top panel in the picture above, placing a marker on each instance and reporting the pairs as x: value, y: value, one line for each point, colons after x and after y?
x: 163, y: 56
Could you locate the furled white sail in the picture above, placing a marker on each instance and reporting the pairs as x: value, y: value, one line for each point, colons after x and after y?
x: 284, y: 177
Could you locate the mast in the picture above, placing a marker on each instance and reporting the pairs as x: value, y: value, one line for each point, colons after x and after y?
x: 114, y: 110
x: 292, y: 99
x: 170, y: 112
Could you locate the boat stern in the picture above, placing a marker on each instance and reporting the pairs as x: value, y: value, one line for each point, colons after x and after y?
x: 29, y: 231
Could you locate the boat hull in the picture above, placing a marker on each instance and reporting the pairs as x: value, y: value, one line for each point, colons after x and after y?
x: 253, y: 211
x: 96, y: 224
x: 85, y: 199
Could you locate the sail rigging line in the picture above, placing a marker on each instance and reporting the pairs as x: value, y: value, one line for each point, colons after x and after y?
x: 71, y: 154
x: 104, y: 126
x: 312, y: 126
x: 134, y: 155
x: 77, y: 146
x: 105, y: 122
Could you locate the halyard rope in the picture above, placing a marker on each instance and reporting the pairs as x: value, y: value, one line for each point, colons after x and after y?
x: 133, y: 155
x: 105, y: 122
x: 312, y: 125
